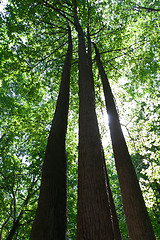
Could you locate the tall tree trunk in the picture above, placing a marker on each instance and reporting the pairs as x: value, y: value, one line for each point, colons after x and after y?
x: 138, y: 222
x: 50, y: 221
x: 93, y: 217
x: 114, y: 218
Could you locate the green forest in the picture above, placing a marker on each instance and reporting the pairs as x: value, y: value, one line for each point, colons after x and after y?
x: 80, y: 120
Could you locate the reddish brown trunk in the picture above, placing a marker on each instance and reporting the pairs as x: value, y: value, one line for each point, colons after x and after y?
x: 114, y: 219
x: 138, y: 222
x: 50, y: 220
x: 93, y: 218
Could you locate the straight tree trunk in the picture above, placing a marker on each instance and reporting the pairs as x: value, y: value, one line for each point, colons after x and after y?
x: 138, y: 222
x: 93, y: 217
x: 51, y: 218
x: 114, y: 218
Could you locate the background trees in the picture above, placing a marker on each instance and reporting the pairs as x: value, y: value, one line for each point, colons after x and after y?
x: 33, y: 47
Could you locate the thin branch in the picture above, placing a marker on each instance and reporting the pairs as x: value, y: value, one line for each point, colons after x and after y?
x: 115, y: 50
x: 53, y: 25
x: 16, y: 222
x: 3, y: 225
x: 43, y: 59
x: 14, y: 206
x: 108, y: 33
x: 66, y: 6
x: 62, y: 13
x: 114, y: 67
x: 102, y: 28
x: 148, y: 9
x: 139, y: 45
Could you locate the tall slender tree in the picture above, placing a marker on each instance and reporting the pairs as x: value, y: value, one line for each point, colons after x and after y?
x: 114, y: 218
x: 93, y: 219
x: 50, y: 221
x: 138, y: 222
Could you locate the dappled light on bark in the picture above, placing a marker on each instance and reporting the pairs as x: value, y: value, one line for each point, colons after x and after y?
x: 138, y: 222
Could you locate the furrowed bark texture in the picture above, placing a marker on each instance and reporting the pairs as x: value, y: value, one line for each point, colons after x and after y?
x: 138, y: 222
x: 93, y: 217
x: 114, y: 218
x: 50, y: 221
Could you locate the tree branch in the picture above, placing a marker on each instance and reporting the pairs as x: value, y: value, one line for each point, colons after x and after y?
x: 3, y: 225
x: 43, y: 59
x: 148, y: 9
x: 61, y: 12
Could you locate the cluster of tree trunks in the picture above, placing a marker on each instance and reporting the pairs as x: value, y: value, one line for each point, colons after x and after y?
x: 138, y: 222
x: 96, y: 214
x: 93, y: 216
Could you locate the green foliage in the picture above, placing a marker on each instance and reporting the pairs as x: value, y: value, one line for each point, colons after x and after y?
x: 32, y: 49
x: 72, y: 176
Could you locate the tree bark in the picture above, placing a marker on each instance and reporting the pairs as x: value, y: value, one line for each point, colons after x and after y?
x: 138, y: 222
x: 114, y: 218
x: 51, y: 218
x: 93, y: 217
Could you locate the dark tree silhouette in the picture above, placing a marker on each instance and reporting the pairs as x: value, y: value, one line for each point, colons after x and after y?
x: 50, y: 221
x: 138, y: 222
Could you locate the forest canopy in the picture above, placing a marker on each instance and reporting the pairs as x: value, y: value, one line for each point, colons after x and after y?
x: 34, y: 43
